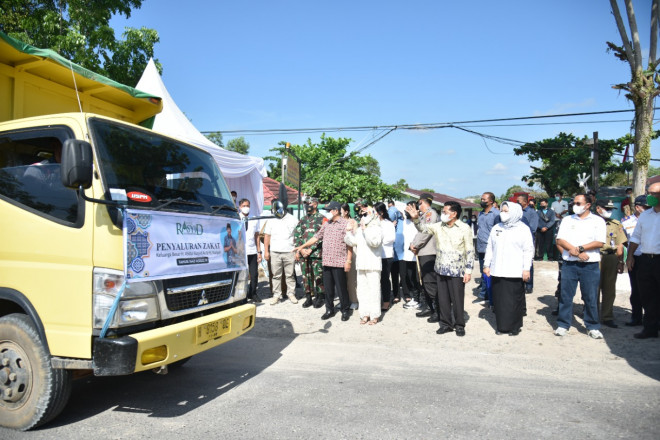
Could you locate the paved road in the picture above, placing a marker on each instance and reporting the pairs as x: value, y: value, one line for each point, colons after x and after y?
x: 295, y: 376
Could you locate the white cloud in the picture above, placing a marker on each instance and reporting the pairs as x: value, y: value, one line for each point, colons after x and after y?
x: 498, y: 169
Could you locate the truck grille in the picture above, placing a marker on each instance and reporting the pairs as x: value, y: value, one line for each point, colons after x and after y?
x: 197, y: 291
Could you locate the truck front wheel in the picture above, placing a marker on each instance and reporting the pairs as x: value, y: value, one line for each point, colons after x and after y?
x: 31, y: 391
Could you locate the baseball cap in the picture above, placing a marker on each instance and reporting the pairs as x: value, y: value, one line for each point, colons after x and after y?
x: 332, y: 205
x: 641, y: 200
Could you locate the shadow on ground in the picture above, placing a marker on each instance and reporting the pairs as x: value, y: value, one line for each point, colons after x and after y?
x: 207, y: 376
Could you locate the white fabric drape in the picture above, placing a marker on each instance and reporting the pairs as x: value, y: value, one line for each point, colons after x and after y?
x: 243, y: 174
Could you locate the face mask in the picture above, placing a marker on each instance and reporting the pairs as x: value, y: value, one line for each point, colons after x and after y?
x: 652, y: 201
x: 234, y: 200
x: 310, y: 209
x: 245, y: 210
x: 474, y: 219
x: 505, y: 216
x: 464, y: 220
x: 579, y: 210
x: 328, y: 215
x: 605, y: 213
x: 484, y: 204
x: 444, y: 218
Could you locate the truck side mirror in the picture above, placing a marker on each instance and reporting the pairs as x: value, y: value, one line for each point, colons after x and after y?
x: 77, y: 164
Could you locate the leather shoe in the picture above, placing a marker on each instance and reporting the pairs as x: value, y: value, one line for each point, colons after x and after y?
x: 308, y: 302
x: 328, y: 315
x: 424, y: 313
x: 633, y: 323
x: 319, y: 301
x: 443, y: 330
x: 345, y: 315
x: 434, y: 318
x: 646, y: 334
x: 610, y: 323
x: 460, y: 331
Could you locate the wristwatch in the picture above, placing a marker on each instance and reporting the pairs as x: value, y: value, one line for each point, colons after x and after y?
x: 580, y: 249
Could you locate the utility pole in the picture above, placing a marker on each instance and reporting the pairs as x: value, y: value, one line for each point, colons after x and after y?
x: 596, y: 169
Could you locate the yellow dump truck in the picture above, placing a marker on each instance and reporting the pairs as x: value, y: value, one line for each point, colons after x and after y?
x: 120, y: 249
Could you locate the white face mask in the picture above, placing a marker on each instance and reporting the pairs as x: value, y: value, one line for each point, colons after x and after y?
x: 245, y: 210
x: 444, y: 218
x: 579, y: 210
x: 328, y: 215
x: 505, y: 216
x: 605, y: 213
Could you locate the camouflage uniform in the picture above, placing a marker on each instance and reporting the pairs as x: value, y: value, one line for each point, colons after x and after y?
x: 312, y: 269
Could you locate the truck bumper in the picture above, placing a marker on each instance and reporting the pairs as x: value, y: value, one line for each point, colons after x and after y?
x: 163, y: 346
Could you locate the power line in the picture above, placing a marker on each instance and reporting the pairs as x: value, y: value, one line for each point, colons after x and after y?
x: 422, y: 126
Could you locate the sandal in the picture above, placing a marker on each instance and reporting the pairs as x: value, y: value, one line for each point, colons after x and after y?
x: 373, y: 321
x: 364, y: 320
x: 385, y: 307
x: 397, y: 300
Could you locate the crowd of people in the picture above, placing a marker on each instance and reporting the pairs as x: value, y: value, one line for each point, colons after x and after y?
x: 383, y: 255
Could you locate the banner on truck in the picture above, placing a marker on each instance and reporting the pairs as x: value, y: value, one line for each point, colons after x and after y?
x: 161, y: 245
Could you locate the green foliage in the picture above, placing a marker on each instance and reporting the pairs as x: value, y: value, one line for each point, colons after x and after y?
x: 80, y: 30
x: 428, y: 190
x: 565, y: 156
x: 329, y: 173
x: 239, y: 145
x: 653, y: 171
x: 216, y: 138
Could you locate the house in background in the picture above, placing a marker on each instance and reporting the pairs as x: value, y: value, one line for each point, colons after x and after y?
x: 439, y: 201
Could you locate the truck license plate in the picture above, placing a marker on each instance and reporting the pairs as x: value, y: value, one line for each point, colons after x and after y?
x: 212, y: 330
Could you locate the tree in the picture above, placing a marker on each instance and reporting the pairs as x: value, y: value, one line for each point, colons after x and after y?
x: 428, y: 190
x: 329, y: 173
x: 643, y: 85
x: 239, y: 145
x: 216, y: 138
x: 80, y: 31
x: 565, y: 156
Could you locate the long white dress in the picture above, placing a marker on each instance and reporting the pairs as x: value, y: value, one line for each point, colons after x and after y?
x: 367, y: 245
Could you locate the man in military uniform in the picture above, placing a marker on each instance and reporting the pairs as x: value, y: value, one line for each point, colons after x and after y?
x: 611, y: 260
x: 310, y: 258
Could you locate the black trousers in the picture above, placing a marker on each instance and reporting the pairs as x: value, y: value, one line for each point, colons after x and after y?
x: 398, y: 275
x: 648, y: 281
x: 334, y: 278
x: 429, y: 279
x: 635, y: 296
x: 254, y: 275
x: 451, y: 301
x: 545, y: 243
x: 385, y: 284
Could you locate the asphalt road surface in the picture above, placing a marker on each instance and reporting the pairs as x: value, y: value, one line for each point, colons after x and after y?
x: 295, y: 376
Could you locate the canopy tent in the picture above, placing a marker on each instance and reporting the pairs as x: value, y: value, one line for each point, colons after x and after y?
x: 244, y: 174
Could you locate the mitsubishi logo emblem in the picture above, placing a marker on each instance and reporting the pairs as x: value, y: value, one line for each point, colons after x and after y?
x: 202, y: 299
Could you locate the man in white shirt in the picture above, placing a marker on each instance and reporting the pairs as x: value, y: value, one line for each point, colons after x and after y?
x: 635, y: 296
x: 646, y: 237
x: 252, y: 248
x: 559, y: 206
x: 278, y: 247
x: 580, y: 237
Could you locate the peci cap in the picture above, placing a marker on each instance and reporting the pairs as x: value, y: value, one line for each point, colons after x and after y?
x: 332, y: 205
x: 641, y: 201
x: 606, y: 204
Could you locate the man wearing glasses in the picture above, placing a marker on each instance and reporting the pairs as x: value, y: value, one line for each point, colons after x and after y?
x: 580, y: 237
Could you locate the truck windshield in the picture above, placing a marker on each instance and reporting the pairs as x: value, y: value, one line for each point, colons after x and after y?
x: 156, y: 172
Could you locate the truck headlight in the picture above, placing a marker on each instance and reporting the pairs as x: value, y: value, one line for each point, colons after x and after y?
x: 240, y: 289
x: 138, y: 303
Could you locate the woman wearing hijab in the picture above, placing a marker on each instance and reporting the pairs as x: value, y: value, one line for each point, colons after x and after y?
x: 366, y: 238
x: 509, y: 255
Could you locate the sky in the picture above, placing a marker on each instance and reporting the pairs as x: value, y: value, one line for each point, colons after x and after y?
x: 298, y: 64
